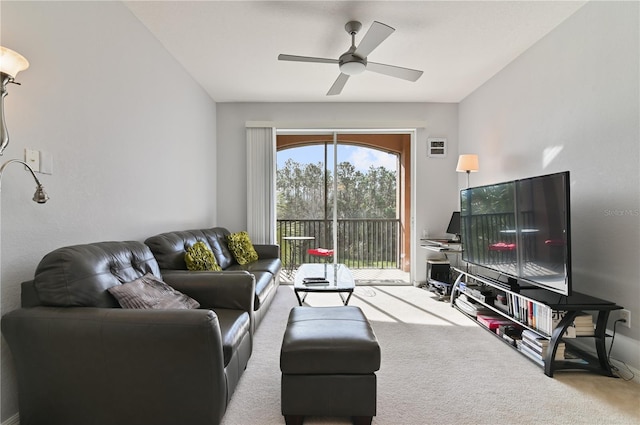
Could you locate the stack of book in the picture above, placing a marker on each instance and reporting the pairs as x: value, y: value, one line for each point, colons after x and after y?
x: 535, y: 347
x: 584, y: 325
x: 470, y: 306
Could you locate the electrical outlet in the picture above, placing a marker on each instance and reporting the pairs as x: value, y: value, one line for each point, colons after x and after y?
x: 626, y: 315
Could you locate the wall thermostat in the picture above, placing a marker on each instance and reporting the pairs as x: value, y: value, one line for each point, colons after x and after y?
x: 437, y: 147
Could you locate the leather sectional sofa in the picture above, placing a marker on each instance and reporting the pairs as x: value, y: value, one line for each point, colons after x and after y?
x: 82, y: 359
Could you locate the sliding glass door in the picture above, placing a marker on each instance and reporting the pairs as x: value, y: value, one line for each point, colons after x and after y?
x: 341, y: 193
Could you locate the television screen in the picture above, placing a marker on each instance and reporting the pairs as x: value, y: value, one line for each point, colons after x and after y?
x: 521, y: 230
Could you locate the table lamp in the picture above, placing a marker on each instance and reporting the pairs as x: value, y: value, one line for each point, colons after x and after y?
x: 467, y: 163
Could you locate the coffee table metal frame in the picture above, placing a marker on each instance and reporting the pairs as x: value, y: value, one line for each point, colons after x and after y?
x: 339, y: 277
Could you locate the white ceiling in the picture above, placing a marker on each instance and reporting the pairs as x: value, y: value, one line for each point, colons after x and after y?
x: 231, y: 47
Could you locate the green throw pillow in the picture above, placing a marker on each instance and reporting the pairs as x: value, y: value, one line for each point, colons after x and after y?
x: 199, y: 257
x: 241, y: 247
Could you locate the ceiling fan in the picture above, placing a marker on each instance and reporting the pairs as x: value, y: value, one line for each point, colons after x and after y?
x: 354, y: 61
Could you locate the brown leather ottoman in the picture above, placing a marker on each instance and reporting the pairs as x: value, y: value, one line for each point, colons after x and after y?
x: 328, y: 360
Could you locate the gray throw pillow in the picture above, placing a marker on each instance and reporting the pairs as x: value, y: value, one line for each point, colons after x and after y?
x: 150, y: 292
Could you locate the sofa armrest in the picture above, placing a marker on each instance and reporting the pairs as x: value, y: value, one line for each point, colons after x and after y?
x: 159, y: 365
x: 228, y: 289
x: 267, y: 250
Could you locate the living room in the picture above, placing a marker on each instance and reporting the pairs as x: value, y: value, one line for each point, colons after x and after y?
x: 139, y: 147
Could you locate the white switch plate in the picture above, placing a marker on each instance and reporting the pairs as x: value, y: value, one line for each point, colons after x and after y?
x: 32, y: 157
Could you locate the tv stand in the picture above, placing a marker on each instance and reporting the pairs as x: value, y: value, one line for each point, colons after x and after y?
x: 532, y: 309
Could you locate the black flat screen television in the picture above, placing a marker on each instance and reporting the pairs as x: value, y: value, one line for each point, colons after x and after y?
x: 520, y: 230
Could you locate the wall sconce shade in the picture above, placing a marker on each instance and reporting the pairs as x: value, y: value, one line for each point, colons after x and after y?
x: 10, y: 64
x: 467, y: 163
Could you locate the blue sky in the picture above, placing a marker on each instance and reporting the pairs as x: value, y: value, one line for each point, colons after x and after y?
x: 361, y: 158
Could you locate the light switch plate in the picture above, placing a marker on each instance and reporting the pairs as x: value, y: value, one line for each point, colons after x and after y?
x: 32, y: 157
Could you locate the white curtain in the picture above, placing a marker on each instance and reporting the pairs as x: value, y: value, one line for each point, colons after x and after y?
x: 261, y: 185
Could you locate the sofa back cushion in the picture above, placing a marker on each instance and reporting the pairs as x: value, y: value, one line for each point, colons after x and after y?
x: 217, y: 238
x: 79, y: 276
x: 170, y: 248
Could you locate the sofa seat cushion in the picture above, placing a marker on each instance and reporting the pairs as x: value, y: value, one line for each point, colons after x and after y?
x: 234, y: 325
x: 271, y: 265
x: 264, y: 285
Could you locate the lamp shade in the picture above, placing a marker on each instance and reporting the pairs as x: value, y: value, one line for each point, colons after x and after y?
x: 467, y: 163
x: 12, y: 62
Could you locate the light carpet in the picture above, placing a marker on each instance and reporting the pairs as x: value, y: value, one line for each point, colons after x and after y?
x: 438, y: 367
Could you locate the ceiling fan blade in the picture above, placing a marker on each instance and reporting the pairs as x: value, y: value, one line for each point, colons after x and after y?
x: 294, y: 58
x: 338, y: 85
x: 378, y: 32
x: 394, y: 71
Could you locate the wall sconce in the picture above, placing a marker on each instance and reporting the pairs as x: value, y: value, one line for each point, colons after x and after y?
x: 467, y: 164
x: 40, y: 196
x: 10, y: 64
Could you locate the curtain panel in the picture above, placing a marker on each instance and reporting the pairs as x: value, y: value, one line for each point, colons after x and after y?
x: 261, y: 185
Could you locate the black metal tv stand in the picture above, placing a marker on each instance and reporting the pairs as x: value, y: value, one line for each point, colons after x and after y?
x: 548, y: 302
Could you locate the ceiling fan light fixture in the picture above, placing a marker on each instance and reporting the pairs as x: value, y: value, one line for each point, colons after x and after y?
x: 351, y: 64
x: 352, y: 68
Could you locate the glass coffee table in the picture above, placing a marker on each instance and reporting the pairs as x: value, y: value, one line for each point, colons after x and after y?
x: 324, y: 278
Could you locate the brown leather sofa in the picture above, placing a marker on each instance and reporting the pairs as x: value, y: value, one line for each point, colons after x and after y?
x: 81, y: 359
x: 170, y: 248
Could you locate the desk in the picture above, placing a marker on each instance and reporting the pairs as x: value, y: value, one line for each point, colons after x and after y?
x: 439, y: 279
x: 441, y: 245
x: 296, y: 245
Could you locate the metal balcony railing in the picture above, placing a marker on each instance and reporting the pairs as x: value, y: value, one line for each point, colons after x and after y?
x: 362, y: 243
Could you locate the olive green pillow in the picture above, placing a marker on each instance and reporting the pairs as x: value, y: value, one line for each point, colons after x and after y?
x: 241, y: 247
x: 199, y: 257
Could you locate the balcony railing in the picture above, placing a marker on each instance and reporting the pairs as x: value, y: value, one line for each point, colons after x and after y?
x: 362, y: 243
